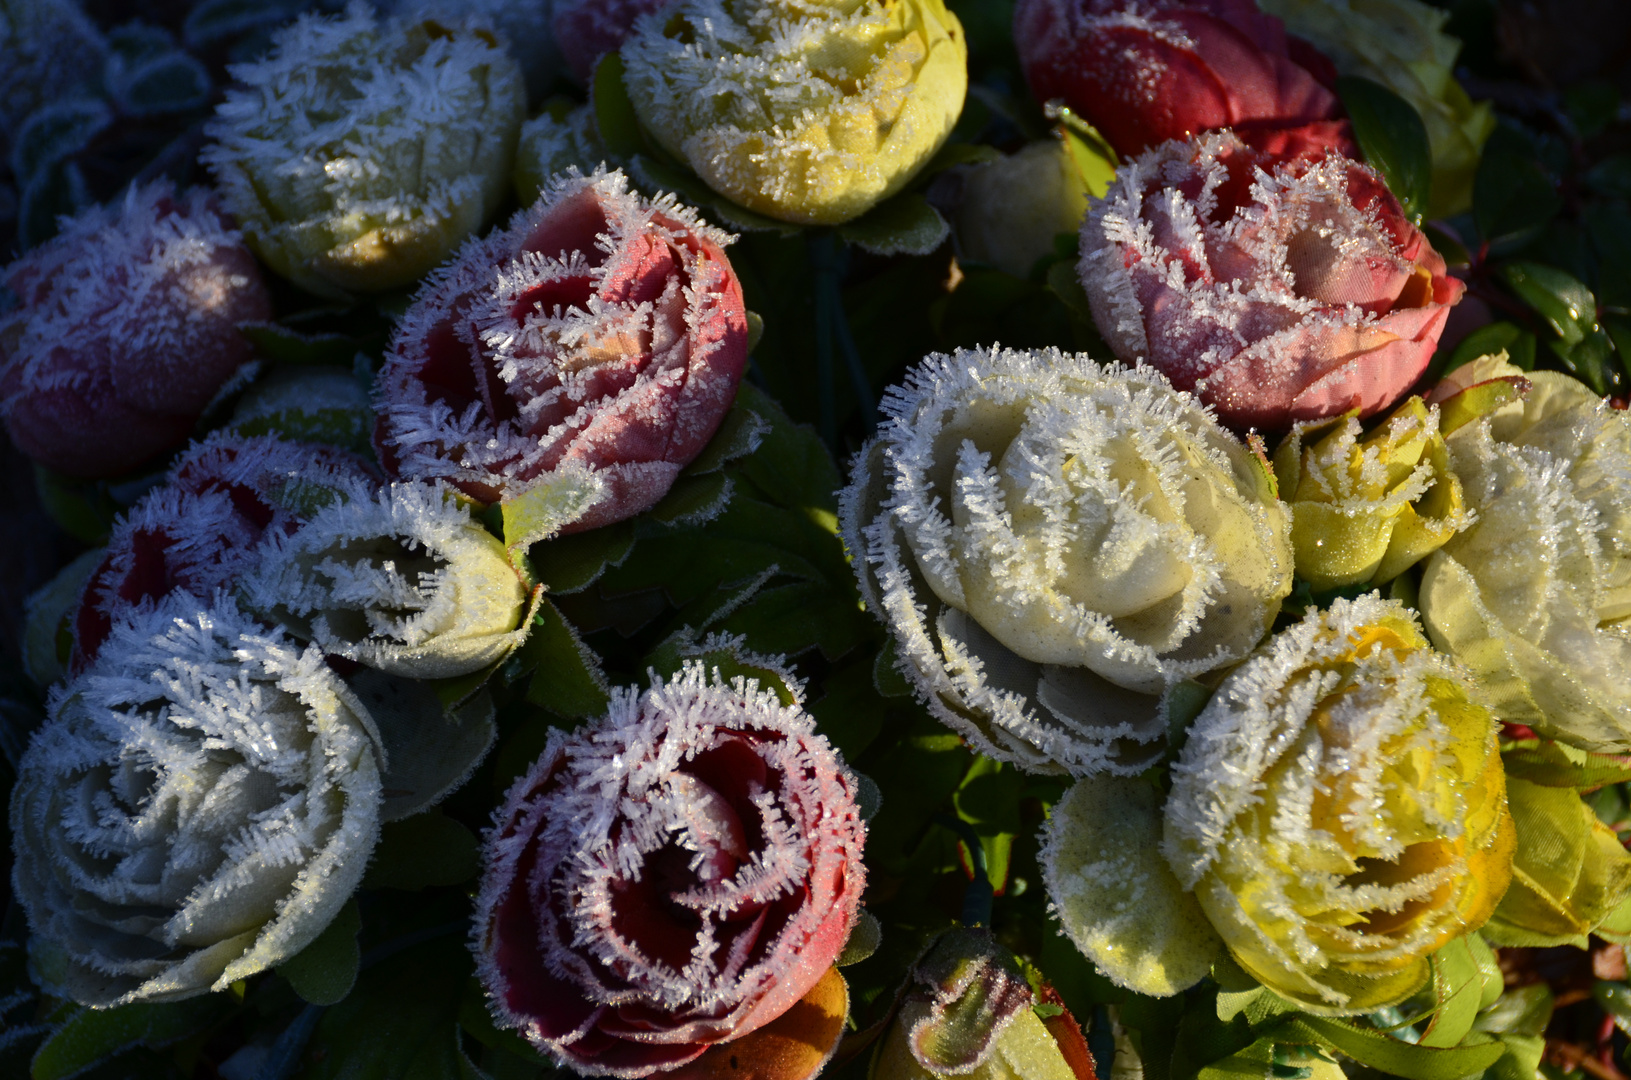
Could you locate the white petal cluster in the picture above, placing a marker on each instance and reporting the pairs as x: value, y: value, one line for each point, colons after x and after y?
x: 1055, y: 543
x: 196, y: 809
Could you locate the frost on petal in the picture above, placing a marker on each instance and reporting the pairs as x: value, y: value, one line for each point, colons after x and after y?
x: 400, y: 579
x: 811, y: 113
x: 673, y: 876
x: 1056, y: 546
x: 361, y: 151
x: 196, y: 809
x: 524, y: 26
x: 556, y: 141
x: 126, y: 330
x: 1339, y: 809
x: 595, y: 344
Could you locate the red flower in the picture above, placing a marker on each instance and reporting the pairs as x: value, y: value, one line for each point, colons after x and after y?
x: 674, y: 877
x: 1273, y: 297
x: 1143, y: 73
x: 601, y: 333
x: 589, y: 29
x: 126, y: 330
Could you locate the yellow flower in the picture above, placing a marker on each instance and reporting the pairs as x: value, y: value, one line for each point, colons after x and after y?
x: 1365, y: 508
x: 809, y: 111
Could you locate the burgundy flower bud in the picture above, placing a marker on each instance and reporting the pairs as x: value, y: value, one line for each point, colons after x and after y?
x: 589, y: 29
x: 1275, y: 298
x: 200, y: 530
x: 125, y: 330
x: 601, y: 335
x: 670, y: 878
x: 1143, y: 73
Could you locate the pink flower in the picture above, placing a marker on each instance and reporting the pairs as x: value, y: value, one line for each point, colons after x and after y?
x: 1275, y: 298
x: 601, y: 333
x: 589, y: 29
x: 126, y: 330
x: 201, y: 529
x: 673, y: 877
x: 1143, y: 73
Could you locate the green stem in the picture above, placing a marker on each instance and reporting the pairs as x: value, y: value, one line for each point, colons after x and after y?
x: 978, y: 896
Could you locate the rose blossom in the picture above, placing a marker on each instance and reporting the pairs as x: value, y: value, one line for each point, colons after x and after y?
x: 599, y: 339
x: 126, y: 330
x: 674, y: 876
x: 1276, y: 297
x: 1143, y: 73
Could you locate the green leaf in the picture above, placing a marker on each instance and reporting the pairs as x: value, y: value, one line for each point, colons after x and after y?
x: 903, y: 225
x: 1558, y: 296
x: 850, y: 713
x: 1590, y: 360
x: 1092, y: 155
x: 1522, y: 1058
x: 567, y: 678
x: 1458, y: 990
x: 421, y: 852
x: 1454, y: 252
x: 283, y: 345
x: 693, y: 500
x: 1520, y: 1010
x: 886, y: 675
x: 173, y: 83
x: 1554, y: 764
x: 615, y: 118
x: 89, y: 1037
x: 1518, y: 344
x: 216, y: 20
x: 324, y: 971
x: 1393, y: 139
x: 546, y: 508
x: 738, y: 436
x: 570, y: 564
x: 53, y: 132
x: 55, y: 192
x: 1390, y: 1055
x: 430, y: 750
x: 1513, y: 195
x: 863, y: 940
x: 82, y: 509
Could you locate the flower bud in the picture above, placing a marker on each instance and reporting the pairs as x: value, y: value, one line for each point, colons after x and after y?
x: 1014, y: 207
x: 1294, y: 296
x: 126, y: 330
x: 401, y: 580
x: 555, y: 141
x: 594, y: 28
x: 308, y: 404
x: 1054, y: 543
x: 806, y: 112
x: 196, y: 809
x: 1339, y: 809
x: 1366, y: 508
x: 674, y: 877
x: 599, y: 339
x: 360, y: 152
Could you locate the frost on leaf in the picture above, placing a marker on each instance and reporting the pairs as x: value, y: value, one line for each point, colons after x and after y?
x: 595, y: 344
x: 126, y: 330
x: 204, y: 527
x: 197, y: 808
x: 811, y: 113
x: 673, y: 876
x: 1056, y: 545
x: 1536, y: 596
x: 1295, y: 295
x: 399, y: 578
x: 360, y: 152
x: 49, y: 50
x: 1339, y: 809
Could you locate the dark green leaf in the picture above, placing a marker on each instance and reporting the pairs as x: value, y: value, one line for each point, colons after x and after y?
x: 430, y: 749
x: 324, y: 971
x: 1390, y: 1055
x: 83, y: 510
x: 1520, y: 1010
x: 90, y: 1036
x: 615, y: 118
x: 1454, y: 252
x: 167, y: 84
x: 1611, y: 176
x: 1559, y: 297
x: 216, y: 20
x: 1393, y: 139
x: 54, y: 192
x: 693, y: 500
x: 850, y: 713
x: 569, y: 564
x: 566, y: 677
x: 903, y: 225
x: 1517, y: 342
x: 1513, y: 195
x: 54, y: 131
x: 1592, y: 106
x: 421, y: 852
x: 739, y: 435
x: 886, y: 676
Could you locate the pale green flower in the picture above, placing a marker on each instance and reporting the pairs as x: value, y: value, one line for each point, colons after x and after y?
x: 1014, y: 207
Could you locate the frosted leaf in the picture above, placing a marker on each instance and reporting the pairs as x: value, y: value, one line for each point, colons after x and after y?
x: 555, y: 141
x: 672, y: 876
x: 595, y: 345
x: 360, y: 152
x: 400, y: 579
x: 126, y: 330
x: 430, y: 749
x: 308, y: 404
x: 49, y: 50
x: 1536, y: 597
x: 196, y: 809
x: 1279, y: 297
x: 806, y: 112
x: 1339, y: 809
x: 1056, y: 545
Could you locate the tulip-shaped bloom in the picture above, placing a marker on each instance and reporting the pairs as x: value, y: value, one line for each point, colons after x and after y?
x: 1366, y: 508
x: 672, y: 877
x: 806, y: 112
x: 597, y: 341
x: 1293, y: 296
x: 1339, y: 809
x: 361, y: 152
x: 203, y: 528
x: 1536, y: 595
x: 593, y: 28
x: 126, y: 330
x: 1143, y: 73
x: 401, y: 580
x: 196, y: 809
x: 1054, y: 544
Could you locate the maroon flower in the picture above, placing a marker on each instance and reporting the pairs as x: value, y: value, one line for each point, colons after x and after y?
x: 125, y: 331
x: 1143, y: 73
x: 589, y: 29
x: 674, y: 877
x: 600, y: 335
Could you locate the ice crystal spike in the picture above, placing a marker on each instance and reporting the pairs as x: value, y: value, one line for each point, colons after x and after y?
x: 1056, y: 545
x: 399, y: 579
x: 126, y: 330
x: 673, y: 876
x: 522, y: 25
x: 600, y: 336
x: 808, y: 112
x: 196, y: 809
x: 1296, y: 294
x: 360, y: 152
x: 1339, y: 809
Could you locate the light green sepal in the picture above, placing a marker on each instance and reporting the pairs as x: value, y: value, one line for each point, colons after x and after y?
x: 553, y: 502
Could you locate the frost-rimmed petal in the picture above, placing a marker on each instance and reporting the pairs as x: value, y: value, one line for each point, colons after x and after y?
x: 196, y: 809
